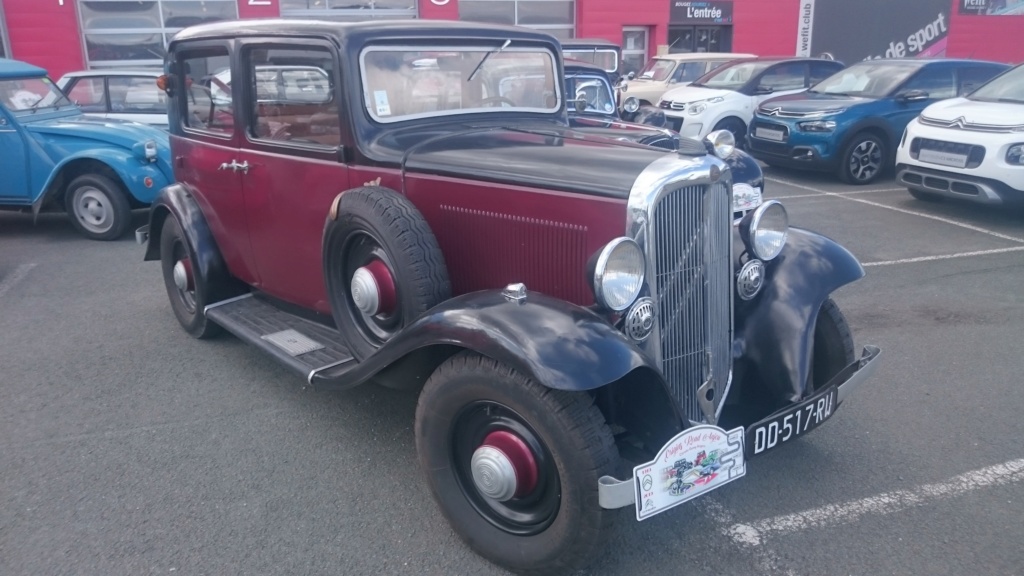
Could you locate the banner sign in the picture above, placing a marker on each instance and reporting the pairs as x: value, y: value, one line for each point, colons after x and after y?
x: 992, y: 7
x: 885, y: 29
x: 700, y: 12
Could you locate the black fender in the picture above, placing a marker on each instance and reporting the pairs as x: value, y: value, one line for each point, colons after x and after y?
x: 775, y: 330
x: 177, y: 201
x: 745, y: 170
x: 556, y: 343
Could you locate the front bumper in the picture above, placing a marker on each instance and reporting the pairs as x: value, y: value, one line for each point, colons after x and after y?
x: 815, y: 151
x: 643, y: 490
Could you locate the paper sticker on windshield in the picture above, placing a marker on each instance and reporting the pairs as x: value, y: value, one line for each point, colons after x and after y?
x: 695, y: 462
x: 381, y: 99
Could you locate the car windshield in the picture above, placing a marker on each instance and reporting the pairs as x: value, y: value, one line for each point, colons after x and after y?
x: 658, y: 69
x: 606, y: 59
x: 873, y: 79
x: 402, y: 83
x: 29, y: 95
x: 595, y: 91
x: 1006, y: 88
x: 731, y: 77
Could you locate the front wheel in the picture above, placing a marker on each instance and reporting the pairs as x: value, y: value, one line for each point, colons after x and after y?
x: 98, y: 207
x: 833, y: 345
x: 514, y: 466
x: 863, y: 160
x: 189, y: 292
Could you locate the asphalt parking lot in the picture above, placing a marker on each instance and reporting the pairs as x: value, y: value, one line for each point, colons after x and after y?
x: 128, y: 448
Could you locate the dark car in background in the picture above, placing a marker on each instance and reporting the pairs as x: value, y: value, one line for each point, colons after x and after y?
x: 851, y: 122
x: 602, y: 53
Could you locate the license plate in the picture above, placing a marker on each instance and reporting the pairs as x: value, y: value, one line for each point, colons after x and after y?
x: 769, y: 134
x: 776, y: 430
x: 943, y: 158
x: 693, y: 463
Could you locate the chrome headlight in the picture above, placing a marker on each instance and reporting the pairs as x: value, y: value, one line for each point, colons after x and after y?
x: 697, y: 109
x: 618, y: 274
x: 764, y: 230
x: 631, y: 104
x: 145, y: 151
x: 723, y: 142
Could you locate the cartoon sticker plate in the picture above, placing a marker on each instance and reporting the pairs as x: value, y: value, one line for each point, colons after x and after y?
x: 693, y: 463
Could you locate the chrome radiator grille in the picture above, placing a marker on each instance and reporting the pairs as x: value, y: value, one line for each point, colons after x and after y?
x: 692, y: 234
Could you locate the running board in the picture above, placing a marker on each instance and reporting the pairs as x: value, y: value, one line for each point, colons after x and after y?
x: 302, y: 345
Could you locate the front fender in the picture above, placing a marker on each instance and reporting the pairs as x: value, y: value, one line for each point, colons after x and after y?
x: 775, y: 331
x: 128, y: 168
x: 176, y: 201
x: 558, y: 344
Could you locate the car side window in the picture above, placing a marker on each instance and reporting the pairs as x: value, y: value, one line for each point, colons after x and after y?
x: 689, y: 71
x: 936, y: 81
x: 822, y: 70
x: 136, y: 95
x: 787, y: 76
x: 208, y: 104
x: 88, y: 94
x: 293, y: 97
x: 970, y: 78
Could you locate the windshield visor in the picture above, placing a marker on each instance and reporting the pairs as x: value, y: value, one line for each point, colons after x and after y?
x: 406, y: 83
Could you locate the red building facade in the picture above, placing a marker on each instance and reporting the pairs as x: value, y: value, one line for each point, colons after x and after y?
x: 65, y: 35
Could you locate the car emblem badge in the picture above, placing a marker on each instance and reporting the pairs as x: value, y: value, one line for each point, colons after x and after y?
x: 774, y: 111
x: 960, y: 122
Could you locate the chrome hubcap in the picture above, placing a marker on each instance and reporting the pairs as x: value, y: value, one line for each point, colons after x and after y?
x: 92, y: 210
x: 365, y: 292
x: 493, y: 473
x: 181, y: 276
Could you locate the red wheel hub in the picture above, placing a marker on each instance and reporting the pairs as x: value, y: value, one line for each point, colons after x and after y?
x: 373, y: 289
x: 503, y: 451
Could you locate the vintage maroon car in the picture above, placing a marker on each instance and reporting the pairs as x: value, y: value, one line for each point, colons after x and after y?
x: 406, y: 202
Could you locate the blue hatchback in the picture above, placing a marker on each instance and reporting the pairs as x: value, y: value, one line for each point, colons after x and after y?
x: 852, y: 121
x: 55, y: 158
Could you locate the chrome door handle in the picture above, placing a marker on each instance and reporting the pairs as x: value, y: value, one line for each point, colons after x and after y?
x: 234, y: 166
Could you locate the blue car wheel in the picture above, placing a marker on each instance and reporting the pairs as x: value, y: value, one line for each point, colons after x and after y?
x: 98, y: 207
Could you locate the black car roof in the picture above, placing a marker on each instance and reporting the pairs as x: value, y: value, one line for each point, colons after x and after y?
x: 359, y: 32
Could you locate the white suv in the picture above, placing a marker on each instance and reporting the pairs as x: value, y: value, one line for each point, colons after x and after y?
x: 725, y: 98
x: 970, y: 148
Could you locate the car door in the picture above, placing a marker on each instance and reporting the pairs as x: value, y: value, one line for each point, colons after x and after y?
x: 292, y: 145
x: 14, y: 188
x: 206, y: 151
x: 937, y: 80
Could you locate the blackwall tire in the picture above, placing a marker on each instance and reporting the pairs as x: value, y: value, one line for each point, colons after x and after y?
x: 556, y: 527
x: 189, y: 302
x: 380, y: 230
x: 833, y: 345
x: 97, y: 207
x: 863, y: 160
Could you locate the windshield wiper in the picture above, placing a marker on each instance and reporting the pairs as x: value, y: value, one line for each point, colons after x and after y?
x: 484, y: 59
x: 1010, y: 100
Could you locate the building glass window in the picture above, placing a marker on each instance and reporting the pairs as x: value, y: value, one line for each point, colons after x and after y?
x: 135, y: 33
x: 556, y: 17
x: 634, y: 49
x: 349, y: 10
x: 5, y: 50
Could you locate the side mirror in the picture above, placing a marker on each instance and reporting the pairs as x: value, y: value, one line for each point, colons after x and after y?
x: 763, y: 90
x: 912, y: 96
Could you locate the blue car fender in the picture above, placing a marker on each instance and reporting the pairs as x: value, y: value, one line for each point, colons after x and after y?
x: 132, y: 172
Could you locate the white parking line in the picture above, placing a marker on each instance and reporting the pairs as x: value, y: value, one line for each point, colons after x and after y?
x: 766, y: 559
x: 753, y: 534
x: 830, y: 194
x: 944, y: 256
x: 905, y: 211
x: 14, y: 277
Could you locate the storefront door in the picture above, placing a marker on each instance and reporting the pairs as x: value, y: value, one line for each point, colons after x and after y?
x: 704, y: 26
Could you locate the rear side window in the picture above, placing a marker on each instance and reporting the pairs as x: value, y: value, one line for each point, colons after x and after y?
x: 88, y: 94
x: 208, y: 100
x: 822, y: 70
x: 136, y: 95
x: 936, y: 81
x: 294, y: 95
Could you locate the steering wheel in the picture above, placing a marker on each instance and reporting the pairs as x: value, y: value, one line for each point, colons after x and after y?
x: 497, y: 100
